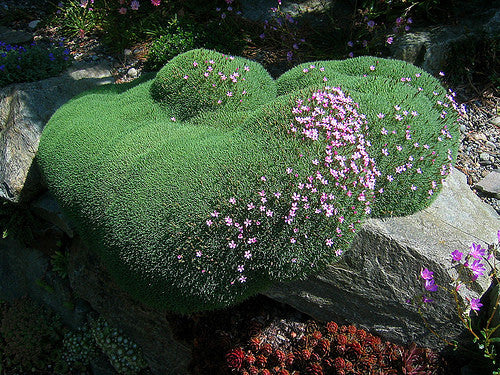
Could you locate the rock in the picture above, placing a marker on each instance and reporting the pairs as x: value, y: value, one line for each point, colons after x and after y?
x: 495, y: 121
x: 25, y: 108
x: 26, y: 271
x: 150, y: 329
x: 430, y: 47
x: 491, y: 145
x: 127, y: 52
x: 48, y: 209
x: 463, y: 128
x: 490, y: 184
x: 484, y: 156
x: 33, y: 24
x: 371, y: 285
x: 132, y: 72
x: 15, y: 37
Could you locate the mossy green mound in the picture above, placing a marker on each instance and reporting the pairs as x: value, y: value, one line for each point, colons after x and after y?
x: 194, y: 205
x: 201, y: 81
x: 412, y: 124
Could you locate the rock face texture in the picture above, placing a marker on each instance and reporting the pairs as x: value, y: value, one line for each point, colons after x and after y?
x: 24, y: 110
x: 372, y: 284
x: 148, y: 328
x: 430, y: 47
x: 491, y: 183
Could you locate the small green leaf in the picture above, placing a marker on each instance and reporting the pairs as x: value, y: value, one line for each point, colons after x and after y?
x: 495, y: 339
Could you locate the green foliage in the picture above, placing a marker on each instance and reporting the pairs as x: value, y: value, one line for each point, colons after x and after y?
x: 179, y: 36
x: 16, y: 221
x: 30, y: 337
x: 202, y: 80
x: 417, y: 138
x: 74, y: 19
x: 194, y: 204
x: 20, y: 64
x: 60, y: 261
x: 124, y: 355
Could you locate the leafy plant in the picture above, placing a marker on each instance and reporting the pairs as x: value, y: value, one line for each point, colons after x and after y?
x: 485, y: 332
x: 59, y: 261
x: 77, y: 18
x: 33, y: 63
x: 178, y: 37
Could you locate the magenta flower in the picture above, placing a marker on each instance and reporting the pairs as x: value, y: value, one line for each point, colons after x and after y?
x: 156, y: 2
x: 477, y: 268
x: 426, y: 300
x: 475, y: 304
x: 476, y: 251
x: 389, y: 40
x: 426, y: 274
x: 457, y: 256
x: 430, y: 285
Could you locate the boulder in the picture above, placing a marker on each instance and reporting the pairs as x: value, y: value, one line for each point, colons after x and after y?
x: 24, y: 110
x: 25, y: 270
x: 150, y: 329
x: 372, y: 284
x: 490, y: 184
x: 14, y: 37
x: 431, y: 47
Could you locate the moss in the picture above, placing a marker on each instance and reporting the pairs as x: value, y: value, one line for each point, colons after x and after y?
x: 194, y: 204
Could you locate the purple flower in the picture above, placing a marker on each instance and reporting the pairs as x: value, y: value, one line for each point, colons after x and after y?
x: 426, y: 274
x: 134, y: 5
x: 477, y: 268
x: 475, y: 304
x: 476, y: 251
x: 389, y: 40
x: 426, y: 300
x: 262, y: 36
x: 370, y: 24
x: 430, y: 285
x: 457, y: 256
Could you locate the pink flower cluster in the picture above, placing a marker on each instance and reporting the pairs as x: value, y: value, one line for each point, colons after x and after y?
x: 227, y: 82
x: 337, y: 190
x: 134, y: 5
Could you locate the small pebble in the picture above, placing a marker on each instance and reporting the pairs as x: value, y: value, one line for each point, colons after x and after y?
x: 463, y: 128
x: 484, y: 156
x: 495, y: 120
x: 33, y: 24
x: 127, y: 52
x: 132, y: 72
x: 490, y: 145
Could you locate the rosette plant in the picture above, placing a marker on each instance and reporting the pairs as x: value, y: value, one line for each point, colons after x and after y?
x: 209, y: 182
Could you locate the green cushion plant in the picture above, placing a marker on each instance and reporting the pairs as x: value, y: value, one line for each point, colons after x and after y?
x: 201, y: 187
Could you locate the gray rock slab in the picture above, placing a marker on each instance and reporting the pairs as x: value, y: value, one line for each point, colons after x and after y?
x: 15, y: 37
x: 24, y: 110
x: 47, y: 208
x: 371, y: 285
x: 150, y: 329
x: 490, y: 184
x: 26, y: 271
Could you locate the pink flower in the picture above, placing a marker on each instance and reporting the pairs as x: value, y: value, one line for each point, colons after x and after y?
x: 122, y: 10
x: 232, y: 245
x: 476, y: 251
x: 457, y: 256
x: 134, y: 5
x: 430, y: 285
x: 426, y: 274
x: 156, y: 2
x: 475, y: 304
x: 389, y: 40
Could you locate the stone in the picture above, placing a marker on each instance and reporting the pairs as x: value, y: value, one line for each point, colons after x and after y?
x: 15, y: 37
x: 25, y: 108
x: 484, y: 156
x: 47, y: 208
x: 430, y: 47
x: 463, y: 128
x: 127, y: 52
x: 491, y: 145
x: 33, y: 24
x: 495, y: 121
x: 375, y: 278
x: 148, y: 328
x: 132, y: 72
x: 25, y: 270
x: 490, y: 184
